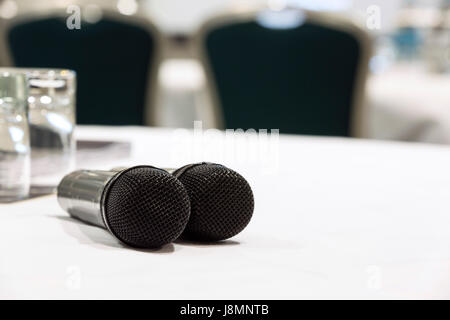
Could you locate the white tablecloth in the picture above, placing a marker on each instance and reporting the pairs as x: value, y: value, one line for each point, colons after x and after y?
x: 409, y: 103
x: 339, y: 218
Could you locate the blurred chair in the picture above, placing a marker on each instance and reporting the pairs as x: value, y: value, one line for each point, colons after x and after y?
x: 115, y: 58
x: 299, y: 71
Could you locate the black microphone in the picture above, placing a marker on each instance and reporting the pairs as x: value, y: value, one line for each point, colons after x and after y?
x: 222, y: 201
x: 142, y: 206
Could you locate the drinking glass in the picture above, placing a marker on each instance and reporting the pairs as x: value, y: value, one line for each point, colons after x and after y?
x: 14, y: 137
x: 52, y: 121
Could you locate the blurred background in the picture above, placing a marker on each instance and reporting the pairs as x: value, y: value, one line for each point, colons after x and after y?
x: 370, y: 69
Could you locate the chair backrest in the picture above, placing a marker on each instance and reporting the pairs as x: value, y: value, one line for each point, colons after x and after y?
x: 303, y: 79
x: 113, y: 60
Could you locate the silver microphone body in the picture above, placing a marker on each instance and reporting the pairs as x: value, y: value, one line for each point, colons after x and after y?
x: 82, y: 194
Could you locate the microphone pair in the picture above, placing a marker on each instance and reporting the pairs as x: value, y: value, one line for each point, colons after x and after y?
x: 148, y: 207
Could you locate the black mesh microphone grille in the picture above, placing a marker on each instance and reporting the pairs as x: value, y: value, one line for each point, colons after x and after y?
x: 221, y: 202
x: 146, y: 207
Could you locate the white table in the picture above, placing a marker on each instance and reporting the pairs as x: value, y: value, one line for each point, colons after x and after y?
x: 341, y: 218
x: 409, y: 103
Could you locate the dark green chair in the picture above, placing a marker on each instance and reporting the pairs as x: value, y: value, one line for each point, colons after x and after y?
x: 305, y: 79
x: 113, y: 61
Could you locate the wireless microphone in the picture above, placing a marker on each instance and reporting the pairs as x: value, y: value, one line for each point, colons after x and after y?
x: 142, y: 206
x: 221, y: 201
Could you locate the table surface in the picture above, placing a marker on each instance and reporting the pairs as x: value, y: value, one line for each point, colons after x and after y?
x: 409, y: 103
x: 334, y: 218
